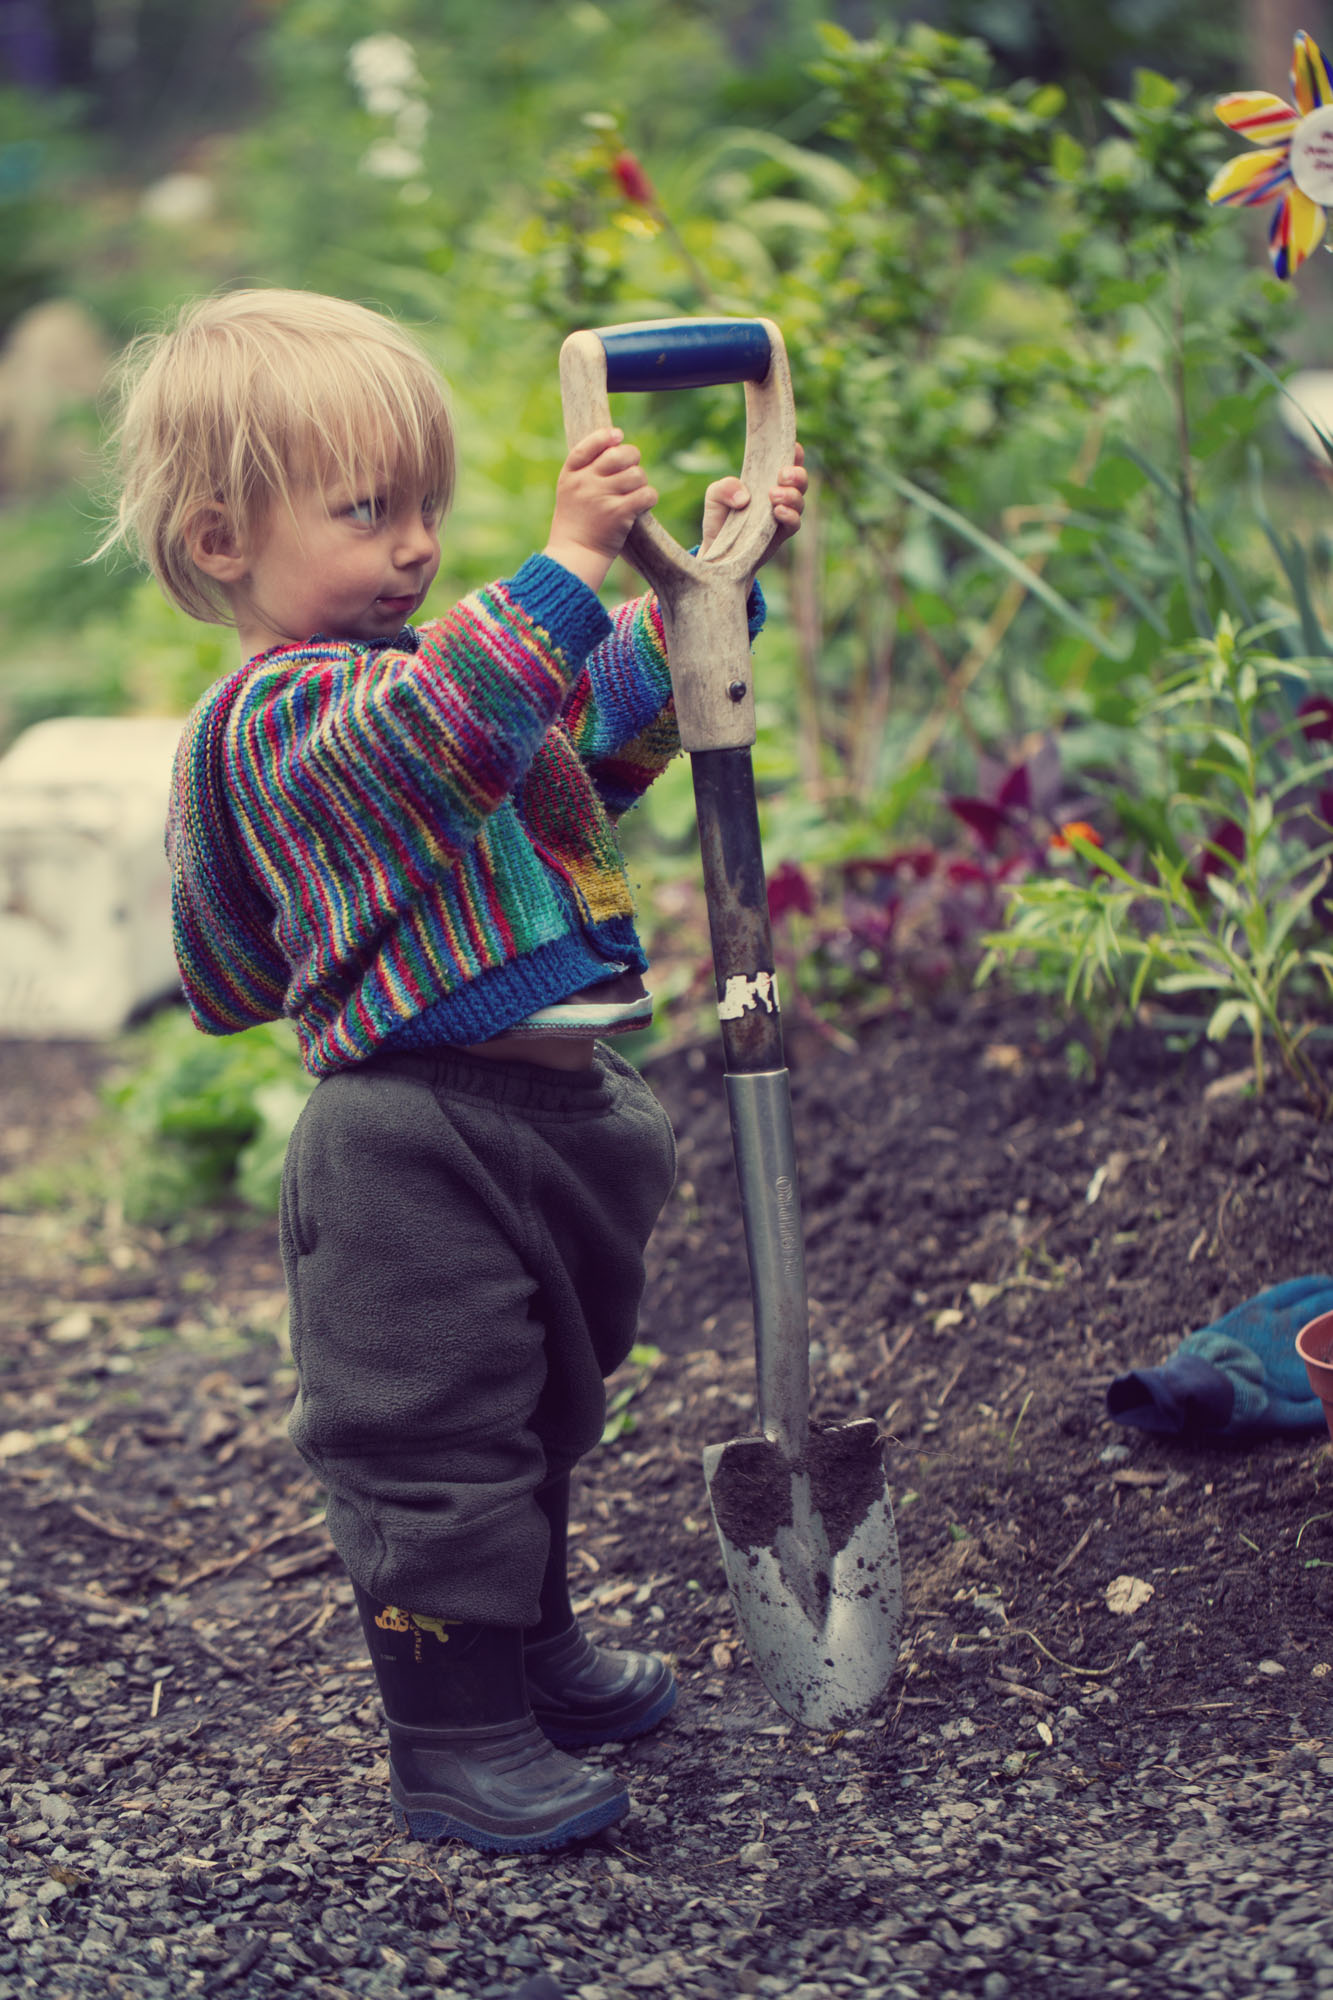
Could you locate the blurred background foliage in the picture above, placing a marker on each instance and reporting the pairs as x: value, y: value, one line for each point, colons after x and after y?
x: 1039, y: 384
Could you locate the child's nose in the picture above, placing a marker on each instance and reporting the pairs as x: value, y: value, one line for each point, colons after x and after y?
x: 415, y: 543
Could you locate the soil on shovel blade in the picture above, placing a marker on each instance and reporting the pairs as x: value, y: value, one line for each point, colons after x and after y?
x: 1104, y: 1764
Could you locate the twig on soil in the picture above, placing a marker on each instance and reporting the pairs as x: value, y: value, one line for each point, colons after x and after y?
x: 228, y: 1563
x: 1075, y: 1552
x: 236, y: 1667
x: 1192, y: 1708
x: 314, y: 1624
x: 107, y: 1525
x: 1091, y: 1673
x: 891, y: 1353
x: 1024, y: 1693
x: 952, y: 1384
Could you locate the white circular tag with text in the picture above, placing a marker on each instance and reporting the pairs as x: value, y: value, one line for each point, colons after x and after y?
x: 1312, y: 155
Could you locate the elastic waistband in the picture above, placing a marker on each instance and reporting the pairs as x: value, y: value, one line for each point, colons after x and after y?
x: 520, y: 1085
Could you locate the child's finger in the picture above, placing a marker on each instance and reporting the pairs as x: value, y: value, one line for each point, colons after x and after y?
x: 591, y: 447
x: 614, y: 464
x: 729, y: 492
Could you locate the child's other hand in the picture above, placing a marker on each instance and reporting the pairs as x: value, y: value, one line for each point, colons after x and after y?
x: 599, y: 495
x: 727, y: 496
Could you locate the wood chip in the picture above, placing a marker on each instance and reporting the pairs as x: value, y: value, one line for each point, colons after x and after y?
x: 1023, y: 1692
x: 108, y: 1525
x: 1130, y: 1475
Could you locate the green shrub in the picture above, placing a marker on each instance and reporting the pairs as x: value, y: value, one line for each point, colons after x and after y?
x: 205, y: 1119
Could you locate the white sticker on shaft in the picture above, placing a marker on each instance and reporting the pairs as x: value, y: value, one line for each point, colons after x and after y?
x: 746, y: 995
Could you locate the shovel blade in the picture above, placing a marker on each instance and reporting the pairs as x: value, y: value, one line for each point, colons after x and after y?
x: 811, y: 1558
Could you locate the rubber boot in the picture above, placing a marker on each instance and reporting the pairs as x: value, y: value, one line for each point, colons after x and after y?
x: 581, y: 1693
x: 466, y: 1759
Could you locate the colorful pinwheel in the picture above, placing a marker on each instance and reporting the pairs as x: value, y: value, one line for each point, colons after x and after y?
x: 1295, y: 160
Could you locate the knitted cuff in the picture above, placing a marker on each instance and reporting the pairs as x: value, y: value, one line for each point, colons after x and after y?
x: 562, y: 604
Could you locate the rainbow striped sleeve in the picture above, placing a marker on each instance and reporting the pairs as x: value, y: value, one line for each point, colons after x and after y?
x: 619, y: 711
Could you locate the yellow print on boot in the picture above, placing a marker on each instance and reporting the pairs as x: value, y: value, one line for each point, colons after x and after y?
x: 392, y: 1619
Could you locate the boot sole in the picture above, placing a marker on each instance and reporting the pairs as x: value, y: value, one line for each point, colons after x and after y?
x: 579, y: 1735
x: 429, y: 1823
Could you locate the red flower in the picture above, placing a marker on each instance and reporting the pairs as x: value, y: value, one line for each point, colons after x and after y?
x: 986, y: 820
x: 789, y: 889
x: 634, y: 182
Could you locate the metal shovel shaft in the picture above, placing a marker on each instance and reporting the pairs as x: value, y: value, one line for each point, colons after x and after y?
x: 758, y: 1088
x: 803, y: 1517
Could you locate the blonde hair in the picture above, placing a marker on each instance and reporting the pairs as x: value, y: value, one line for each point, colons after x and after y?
x: 251, y: 394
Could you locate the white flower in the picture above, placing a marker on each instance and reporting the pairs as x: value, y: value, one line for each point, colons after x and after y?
x: 384, y: 70
x: 386, y: 160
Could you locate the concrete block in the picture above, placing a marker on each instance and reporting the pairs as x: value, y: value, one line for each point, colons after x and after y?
x: 85, y: 903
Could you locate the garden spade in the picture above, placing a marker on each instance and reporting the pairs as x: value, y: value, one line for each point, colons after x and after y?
x: 802, y: 1512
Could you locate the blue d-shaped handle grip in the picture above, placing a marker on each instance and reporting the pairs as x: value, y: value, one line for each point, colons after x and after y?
x: 685, y: 354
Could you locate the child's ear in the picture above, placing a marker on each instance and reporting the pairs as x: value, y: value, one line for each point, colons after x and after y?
x: 215, y: 547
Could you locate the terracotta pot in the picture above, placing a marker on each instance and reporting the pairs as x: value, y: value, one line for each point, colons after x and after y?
x: 1314, y: 1344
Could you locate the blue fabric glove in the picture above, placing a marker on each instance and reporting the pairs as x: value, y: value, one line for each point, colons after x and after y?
x: 1240, y: 1378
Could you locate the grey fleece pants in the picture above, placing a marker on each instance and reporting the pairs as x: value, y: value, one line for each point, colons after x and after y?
x: 463, y: 1242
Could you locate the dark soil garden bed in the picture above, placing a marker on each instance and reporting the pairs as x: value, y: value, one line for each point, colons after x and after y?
x: 1059, y: 1798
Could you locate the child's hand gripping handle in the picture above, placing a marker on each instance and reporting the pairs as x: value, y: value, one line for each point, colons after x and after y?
x: 703, y: 597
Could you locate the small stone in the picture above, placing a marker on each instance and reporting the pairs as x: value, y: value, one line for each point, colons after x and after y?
x: 985, y: 1937
x: 756, y: 1853
x: 1270, y: 1667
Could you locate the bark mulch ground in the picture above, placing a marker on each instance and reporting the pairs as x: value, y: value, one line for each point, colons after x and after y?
x: 1058, y: 1799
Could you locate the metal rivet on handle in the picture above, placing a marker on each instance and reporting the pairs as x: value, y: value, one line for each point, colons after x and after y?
x: 737, y: 690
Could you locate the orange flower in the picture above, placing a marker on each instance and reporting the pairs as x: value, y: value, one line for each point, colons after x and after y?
x: 1062, y: 842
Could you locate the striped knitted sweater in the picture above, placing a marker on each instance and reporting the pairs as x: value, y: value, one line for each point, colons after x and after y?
x: 414, y: 843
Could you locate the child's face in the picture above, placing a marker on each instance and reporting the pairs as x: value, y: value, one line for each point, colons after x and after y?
x: 342, y: 561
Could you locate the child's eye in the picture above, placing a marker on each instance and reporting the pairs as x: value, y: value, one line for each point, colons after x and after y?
x: 367, y: 512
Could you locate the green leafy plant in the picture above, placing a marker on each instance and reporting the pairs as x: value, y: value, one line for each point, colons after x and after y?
x: 620, y: 1417
x: 204, y: 1120
x: 1229, y: 905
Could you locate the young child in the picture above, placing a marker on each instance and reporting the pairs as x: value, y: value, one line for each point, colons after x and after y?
x: 402, y: 838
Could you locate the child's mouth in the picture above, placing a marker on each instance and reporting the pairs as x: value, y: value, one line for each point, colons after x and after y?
x: 397, y: 607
